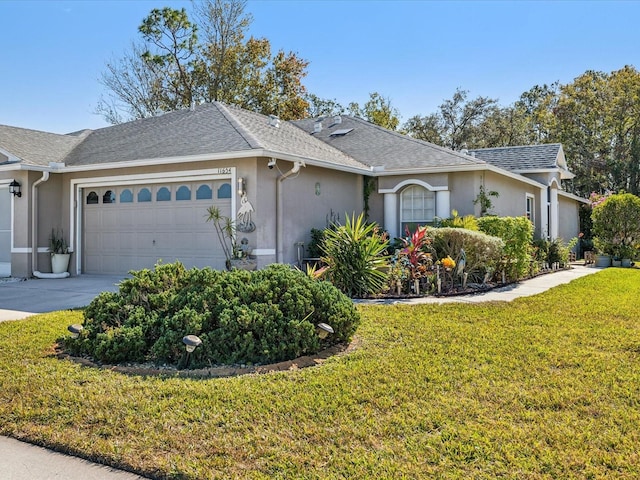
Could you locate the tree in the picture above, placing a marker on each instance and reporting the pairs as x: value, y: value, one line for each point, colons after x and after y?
x: 377, y: 110
x: 321, y: 107
x: 131, y: 89
x: 171, y: 54
x: 175, y: 69
x: 454, y: 126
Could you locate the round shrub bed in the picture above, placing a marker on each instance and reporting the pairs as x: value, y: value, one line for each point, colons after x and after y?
x: 256, y: 317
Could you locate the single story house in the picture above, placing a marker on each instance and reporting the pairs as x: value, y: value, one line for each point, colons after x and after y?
x: 129, y: 195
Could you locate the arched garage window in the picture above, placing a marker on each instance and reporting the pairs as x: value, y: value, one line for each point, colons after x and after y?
x: 183, y: 193
x: 92, y: 198
x: 417, y: 207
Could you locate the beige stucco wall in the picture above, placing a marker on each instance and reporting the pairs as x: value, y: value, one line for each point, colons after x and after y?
x: 569, y: 218
x: 340, y: 193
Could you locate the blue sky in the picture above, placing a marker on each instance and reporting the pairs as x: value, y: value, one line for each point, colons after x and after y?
x: 416, y: 53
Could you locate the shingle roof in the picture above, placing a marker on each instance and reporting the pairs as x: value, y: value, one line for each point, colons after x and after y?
x: 377, y: 146
x: 33, y: 147
x: 210, y: 128
x: 531, y: 157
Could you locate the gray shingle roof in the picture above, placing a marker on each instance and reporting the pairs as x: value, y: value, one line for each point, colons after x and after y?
x: 377, y: 146
x: 531, y: 157
x: 210, y: 128
x: 33, y: 147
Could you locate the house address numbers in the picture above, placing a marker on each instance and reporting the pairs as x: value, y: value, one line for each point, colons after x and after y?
x: 226, y: 170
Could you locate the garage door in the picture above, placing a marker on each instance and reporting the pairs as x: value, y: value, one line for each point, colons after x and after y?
x: 131, y: 227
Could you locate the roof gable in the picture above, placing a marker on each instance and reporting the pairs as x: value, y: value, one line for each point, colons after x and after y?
x: 524, y: 158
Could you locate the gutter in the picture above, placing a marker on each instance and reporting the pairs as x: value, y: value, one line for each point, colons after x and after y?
x: 34, y: 223
x: 279, y: 207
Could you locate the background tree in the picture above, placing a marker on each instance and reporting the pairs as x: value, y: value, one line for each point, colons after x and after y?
x: 174, y: 68
x: 456, y: 122
x: 320, y: 107
x: 377, y: 110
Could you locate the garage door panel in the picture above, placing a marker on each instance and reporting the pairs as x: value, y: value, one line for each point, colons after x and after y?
x: 118, y: 237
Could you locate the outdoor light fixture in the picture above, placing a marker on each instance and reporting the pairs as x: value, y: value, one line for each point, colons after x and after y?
x: 75, y: 330
x: 323, y: 330
x: 241, y: 186
x: 14, y: 188
x: 191, y: 342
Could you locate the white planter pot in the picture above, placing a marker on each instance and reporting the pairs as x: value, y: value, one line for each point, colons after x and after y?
x: 59, y: 262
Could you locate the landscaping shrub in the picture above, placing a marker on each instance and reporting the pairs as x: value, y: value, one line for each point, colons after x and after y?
x: 482, y: 252
x: 517, y: 234
x: 242, y: 317
x: 355, y: 259
x: 616, y: 224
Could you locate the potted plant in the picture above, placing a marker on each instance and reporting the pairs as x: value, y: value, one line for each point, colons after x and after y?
x: 237, y: 256
x: 59, y: 251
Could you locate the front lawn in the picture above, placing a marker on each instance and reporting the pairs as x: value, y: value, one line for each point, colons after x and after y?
x: 543, y: 387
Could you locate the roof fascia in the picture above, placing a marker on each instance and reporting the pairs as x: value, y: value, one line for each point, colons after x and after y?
x: 573, y: 197
x: 11, y: 157
x: 459, y: 168
x: 564, y: 174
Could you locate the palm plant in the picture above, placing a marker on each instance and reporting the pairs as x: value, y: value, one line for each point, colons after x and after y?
x: 355, y: 257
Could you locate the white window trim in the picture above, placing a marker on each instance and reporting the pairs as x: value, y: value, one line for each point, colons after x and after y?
x: 531, y: 199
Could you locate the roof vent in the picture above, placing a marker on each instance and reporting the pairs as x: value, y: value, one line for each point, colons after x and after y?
x: 341, y: 133
x: 337, y: 120
x: 464, y: 151
x: 317, y: 126
x: 473, y: 154
x: 274, y: 121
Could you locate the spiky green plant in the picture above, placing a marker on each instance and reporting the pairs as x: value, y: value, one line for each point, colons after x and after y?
x: 355, y: 257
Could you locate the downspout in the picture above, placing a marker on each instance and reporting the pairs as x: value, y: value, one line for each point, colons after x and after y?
x: 279, y: 214
x: 34, y: 221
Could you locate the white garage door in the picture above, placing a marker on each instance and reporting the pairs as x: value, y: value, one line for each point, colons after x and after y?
x: 131, y: 227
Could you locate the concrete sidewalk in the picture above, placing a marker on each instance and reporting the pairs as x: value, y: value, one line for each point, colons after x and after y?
x: 23, y: 461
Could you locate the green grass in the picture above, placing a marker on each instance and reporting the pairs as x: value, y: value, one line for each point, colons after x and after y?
x: 543, y: 387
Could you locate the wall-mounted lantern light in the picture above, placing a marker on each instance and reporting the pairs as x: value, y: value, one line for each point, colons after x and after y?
x: 324, y: 330
x: 75, y: 330
x: 14, y: 188
x: 242, y: 186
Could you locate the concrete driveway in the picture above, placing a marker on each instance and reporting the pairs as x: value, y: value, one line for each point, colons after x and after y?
x: 20, y: 299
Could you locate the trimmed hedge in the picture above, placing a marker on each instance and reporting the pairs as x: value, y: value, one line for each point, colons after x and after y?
x: 483, y: 252
x: 242, y: 317
x: 517, y: 234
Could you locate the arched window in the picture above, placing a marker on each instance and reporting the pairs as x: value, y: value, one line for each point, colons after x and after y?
x: 417, y: 207
x: 183, y: 193
x: 204, y: 192
x: 126, y: 196
x: 144, y: 195
x: 109, y: 197
x: 92, y: 198
x: 224, y: 191
x: 163, y: 195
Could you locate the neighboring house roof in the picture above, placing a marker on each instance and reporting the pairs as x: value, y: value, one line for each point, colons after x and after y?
x: 523, y: 158
x: 379, y: 147
x: 32, y: 147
